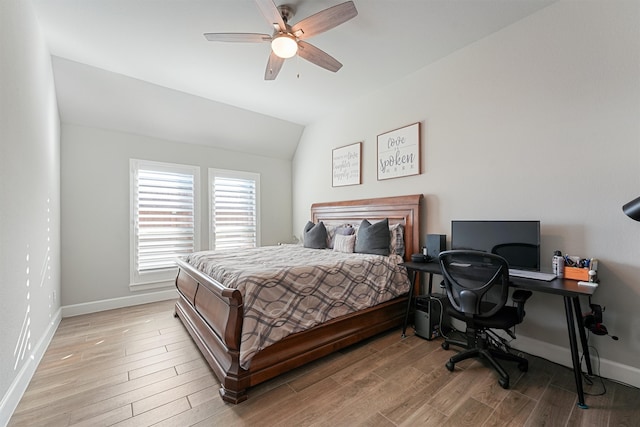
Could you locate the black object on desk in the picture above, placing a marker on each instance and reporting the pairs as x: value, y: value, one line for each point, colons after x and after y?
x: 420, y: 258
x: 567, y: 288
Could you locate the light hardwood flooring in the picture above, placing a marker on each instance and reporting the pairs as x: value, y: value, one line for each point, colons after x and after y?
x: 138, y: 367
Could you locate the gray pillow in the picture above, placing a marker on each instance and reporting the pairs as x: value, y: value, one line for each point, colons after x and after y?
x: 314, y: 236
x: 373, y: 238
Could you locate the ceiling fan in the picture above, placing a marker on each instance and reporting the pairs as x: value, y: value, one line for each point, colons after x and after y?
x: 288, y: 40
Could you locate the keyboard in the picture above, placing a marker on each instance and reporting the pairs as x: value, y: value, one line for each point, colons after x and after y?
x: 536, y: 275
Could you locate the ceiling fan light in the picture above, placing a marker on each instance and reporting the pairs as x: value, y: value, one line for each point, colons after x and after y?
x: 284, y: 46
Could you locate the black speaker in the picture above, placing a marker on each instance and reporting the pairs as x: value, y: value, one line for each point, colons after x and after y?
x: 436, y: 243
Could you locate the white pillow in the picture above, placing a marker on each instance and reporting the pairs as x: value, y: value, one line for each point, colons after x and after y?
x: 343, y: 243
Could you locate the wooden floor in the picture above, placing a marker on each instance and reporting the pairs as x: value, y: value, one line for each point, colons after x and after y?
x: 138, y: 367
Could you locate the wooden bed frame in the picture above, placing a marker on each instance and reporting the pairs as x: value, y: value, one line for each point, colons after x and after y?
x: 213, y: 314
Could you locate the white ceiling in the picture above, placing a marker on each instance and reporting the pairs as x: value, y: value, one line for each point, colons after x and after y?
x: 157, y: 45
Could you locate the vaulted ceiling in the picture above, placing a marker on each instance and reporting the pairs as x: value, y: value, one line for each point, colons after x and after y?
x: 144, y: 65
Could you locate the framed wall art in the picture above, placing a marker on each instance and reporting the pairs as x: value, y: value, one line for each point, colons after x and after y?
x: 399, y: 152
x: 346, y: 165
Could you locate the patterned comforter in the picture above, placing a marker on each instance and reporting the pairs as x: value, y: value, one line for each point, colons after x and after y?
x: 289, y: 288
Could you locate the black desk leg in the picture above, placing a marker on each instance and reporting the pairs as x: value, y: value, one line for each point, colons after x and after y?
x: 583, y: 334
x: 430, y: 288
x: 577, y: 370
x: 412, y: 280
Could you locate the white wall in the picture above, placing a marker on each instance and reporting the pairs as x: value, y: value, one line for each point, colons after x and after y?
x: 29, y: 201
x: 537, y: 121
x: 95, y: 207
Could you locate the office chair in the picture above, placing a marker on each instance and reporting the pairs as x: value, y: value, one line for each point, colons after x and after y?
x: 477, y: 284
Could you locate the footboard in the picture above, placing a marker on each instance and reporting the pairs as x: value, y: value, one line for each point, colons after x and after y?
x: 213, y: 316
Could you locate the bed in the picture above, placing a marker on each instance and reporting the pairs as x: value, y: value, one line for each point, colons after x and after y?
x: 213, y: 313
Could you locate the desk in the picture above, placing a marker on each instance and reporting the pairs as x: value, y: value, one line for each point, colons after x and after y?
x: 567, y: 288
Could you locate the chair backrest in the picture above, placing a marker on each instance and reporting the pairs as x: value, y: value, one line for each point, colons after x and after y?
x: 477, y: 283
x: 520, y: 254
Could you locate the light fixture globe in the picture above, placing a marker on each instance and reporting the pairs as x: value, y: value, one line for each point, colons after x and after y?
x: 284, y: 45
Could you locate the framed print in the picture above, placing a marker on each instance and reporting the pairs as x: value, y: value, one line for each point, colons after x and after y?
x: 346, y: 165
x: 399, y: 152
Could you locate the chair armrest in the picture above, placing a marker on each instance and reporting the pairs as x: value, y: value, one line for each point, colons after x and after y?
x: 520, y: 296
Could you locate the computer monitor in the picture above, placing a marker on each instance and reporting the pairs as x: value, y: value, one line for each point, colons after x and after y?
x: 517, y: 241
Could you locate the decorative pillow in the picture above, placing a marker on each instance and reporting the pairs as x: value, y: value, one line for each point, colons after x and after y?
x: 396, y: 236
x: 345, y: 230
x: 344, y: 243
x: 331, y: 231
x: 373, y: 238
x: 314, y: 235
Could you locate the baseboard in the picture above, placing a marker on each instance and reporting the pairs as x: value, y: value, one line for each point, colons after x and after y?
x: 19, y: 385
x: 110, y: 304
x: 17, y: 388
x: 562, y: 356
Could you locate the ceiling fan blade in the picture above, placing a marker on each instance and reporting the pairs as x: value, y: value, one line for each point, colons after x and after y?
x: 273, y: 66
x: 318, y: 57
x: 271, y: 14
x: 237, y: 37
x: 324, y: 20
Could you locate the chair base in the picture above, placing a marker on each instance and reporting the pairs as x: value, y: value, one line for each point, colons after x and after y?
x: 488, y: 353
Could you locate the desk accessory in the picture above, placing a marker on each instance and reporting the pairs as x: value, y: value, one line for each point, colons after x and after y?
x: 436, y: 243
x: 593, y: 321
x: 557, y: 264
x: 583, y: 283
x: 576, y: 273
x: 575, y: 267
x: 420, y: 258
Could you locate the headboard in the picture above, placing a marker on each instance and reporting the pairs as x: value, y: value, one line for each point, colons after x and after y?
x: 399, y: 209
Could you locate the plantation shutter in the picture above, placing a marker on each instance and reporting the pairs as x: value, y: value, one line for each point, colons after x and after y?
x: 165, y: 224
x: 234, y: 212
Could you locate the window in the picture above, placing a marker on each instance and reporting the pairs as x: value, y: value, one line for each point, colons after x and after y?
x: 234, y: 209
x: 164, y: 220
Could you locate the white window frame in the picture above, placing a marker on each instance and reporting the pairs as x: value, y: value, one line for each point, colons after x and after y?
x: 161, y: 278
x: 225, y: 173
